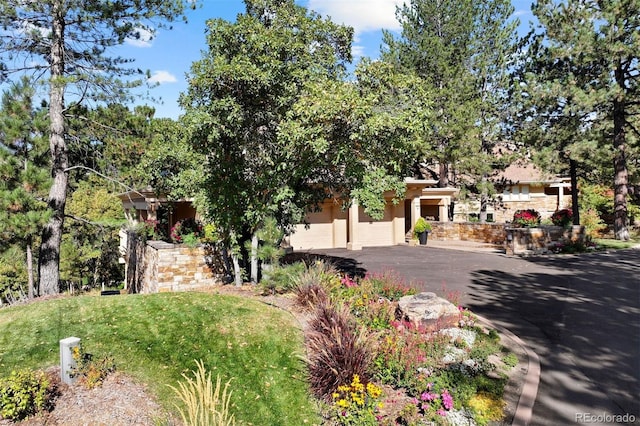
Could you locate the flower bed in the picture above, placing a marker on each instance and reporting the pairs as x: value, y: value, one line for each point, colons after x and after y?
x: 370, y: 367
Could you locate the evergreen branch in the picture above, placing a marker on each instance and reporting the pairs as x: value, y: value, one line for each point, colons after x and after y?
x: 110, y: 179
x: 634, y: 129
x: 88, y: 222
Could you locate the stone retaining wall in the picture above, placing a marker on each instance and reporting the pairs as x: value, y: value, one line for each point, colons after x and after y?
x: 176, y: 267
x: 541, y: 239
x: 492, y: 233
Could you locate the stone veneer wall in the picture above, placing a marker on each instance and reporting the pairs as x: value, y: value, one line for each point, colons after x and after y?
x: 541, y: 239
x: 492, y: 233
x: 176, y: 267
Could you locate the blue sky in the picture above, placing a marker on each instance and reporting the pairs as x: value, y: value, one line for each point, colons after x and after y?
x: 170, y: 54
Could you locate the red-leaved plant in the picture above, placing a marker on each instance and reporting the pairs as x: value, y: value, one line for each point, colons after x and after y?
x: 527, y: 218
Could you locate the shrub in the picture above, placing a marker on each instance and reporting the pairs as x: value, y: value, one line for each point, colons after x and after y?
x: 89, y: 371
x: 309, y: 295
x: 407, y: 356
x: 25, y: 393
x: 281, y: 279
x: 389, y: 285
x: 562, y: 217
x: 189, y: 226
x: 205, y: 404
x: 337, y: 350
x: 593, y: 224
x: 526, y: 218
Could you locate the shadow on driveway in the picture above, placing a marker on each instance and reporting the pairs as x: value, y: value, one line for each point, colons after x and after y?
x: 579, y: 313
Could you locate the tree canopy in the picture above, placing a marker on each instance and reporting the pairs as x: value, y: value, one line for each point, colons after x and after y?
x: 462, y: 50
x: 68, y: 44
x: 239, y: 93
x: 587, y: 71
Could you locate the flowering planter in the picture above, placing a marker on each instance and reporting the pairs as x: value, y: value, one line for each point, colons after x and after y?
x: 542, y: 239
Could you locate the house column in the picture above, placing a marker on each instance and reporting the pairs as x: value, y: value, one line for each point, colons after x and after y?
x: 415, y: 211
x: 354, y: 225
x: 399, y: 236
x: 560, y: 197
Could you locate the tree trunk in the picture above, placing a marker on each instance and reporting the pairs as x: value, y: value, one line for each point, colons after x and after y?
x: 575, y: 210
x: 620, y: 181
x: 254, y: 258
x: 30, y: 280
x: 484, y: 200
x: 49, y: 259
x: 443, y: 178
x: 236, y: 270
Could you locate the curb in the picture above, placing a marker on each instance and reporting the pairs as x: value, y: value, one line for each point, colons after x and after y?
x: 524, y: 408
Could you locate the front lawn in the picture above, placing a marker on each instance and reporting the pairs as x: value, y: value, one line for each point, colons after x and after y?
x: 155, y: 338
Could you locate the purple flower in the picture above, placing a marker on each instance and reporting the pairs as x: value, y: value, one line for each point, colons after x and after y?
x: 441, y: 412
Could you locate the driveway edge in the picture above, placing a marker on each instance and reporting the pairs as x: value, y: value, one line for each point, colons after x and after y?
x: 524, y: 408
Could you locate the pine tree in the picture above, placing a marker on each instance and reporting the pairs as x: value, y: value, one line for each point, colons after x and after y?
x: 462, y: 49
x: 599, y: 44
x: 23, y: 176
x: 68, y: 42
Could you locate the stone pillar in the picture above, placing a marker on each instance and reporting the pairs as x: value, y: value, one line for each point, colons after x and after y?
x: 354, y: 225
x: 67, y: 363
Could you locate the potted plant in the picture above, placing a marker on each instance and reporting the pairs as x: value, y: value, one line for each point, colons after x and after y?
x: 421, y: 230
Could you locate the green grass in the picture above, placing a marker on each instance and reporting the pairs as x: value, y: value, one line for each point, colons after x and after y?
x: 155, y: 338
x: 608, y: 243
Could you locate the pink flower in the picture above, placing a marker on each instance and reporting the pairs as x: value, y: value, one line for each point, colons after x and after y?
x: 428, y: 396
x: 441, y: 412
x: 447, y: 400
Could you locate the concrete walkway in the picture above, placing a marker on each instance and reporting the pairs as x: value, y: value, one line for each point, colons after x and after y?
x: 580, y: 314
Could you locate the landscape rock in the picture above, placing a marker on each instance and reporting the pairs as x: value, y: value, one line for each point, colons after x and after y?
x: 428, y: 311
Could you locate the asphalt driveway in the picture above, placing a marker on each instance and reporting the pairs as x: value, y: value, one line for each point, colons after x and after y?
x: 579, y: 313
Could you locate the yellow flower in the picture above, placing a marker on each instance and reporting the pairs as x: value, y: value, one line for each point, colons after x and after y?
x: 373, y: 390
x: 343, y: 403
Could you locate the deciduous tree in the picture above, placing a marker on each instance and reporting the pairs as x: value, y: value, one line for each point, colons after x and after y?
x: 239, y: 93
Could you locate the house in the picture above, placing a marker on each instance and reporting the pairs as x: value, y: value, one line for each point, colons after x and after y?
x: 521, y: 186
x: 333, y: 227
x: 330, y: 227
x: 147, y: 206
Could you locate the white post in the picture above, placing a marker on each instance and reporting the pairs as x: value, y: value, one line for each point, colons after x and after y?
x: 67, y: 363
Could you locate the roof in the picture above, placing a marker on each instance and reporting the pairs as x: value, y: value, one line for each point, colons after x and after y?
x: 523, y: 171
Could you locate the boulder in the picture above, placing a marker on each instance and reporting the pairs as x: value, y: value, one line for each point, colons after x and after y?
x: 428, y: 311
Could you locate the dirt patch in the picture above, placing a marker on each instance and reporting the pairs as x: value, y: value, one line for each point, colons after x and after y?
x: 119, y: 401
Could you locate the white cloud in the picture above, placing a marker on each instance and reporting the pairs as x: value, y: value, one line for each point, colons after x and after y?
x: 142, y: 39
x: 357, y: 51
x: 362, y: 15
x: 162, y: 77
